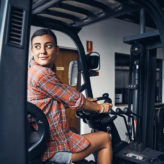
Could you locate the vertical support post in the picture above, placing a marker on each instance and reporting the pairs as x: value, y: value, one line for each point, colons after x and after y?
x: 13, y: 75
x: 148, y: 97
x: 137, y: 53
x: 144, y: 74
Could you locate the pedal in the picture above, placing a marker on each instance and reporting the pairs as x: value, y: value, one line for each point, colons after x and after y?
x: 135, y: 156
x: 130, y: 154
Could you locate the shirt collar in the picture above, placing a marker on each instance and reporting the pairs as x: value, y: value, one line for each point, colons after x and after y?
x: 33, y: 62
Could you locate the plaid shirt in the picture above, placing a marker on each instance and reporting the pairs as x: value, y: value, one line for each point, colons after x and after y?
x: 47, y: 92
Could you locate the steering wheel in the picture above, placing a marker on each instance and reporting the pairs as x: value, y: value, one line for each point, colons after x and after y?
x: 101, y: 121
x: 88, y: 113
x: 97, y: 120
x: 37, y: 138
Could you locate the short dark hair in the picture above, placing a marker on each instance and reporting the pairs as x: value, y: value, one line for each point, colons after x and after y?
x: 41, y: 32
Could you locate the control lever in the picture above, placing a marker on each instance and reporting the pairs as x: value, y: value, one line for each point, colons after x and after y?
x: 120, y: 113
x: 111, y: 111
x: 129, y: 112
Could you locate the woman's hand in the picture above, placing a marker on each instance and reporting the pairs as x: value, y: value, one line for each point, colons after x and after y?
x: 105, y: 107
x: 91, y: 104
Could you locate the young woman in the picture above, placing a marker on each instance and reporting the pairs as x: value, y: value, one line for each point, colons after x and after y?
x: 47, y: 92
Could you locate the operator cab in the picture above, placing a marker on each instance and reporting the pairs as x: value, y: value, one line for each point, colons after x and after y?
x: 71, y: 17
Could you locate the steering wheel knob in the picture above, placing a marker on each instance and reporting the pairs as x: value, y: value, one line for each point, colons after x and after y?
x: 105, y: 95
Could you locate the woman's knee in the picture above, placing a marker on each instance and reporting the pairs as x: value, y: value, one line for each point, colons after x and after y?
x: 106, y: 137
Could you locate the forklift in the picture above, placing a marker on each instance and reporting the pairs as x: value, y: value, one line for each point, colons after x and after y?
x: 16, y: 18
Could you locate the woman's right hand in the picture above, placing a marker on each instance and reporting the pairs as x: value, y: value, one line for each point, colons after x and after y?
x: 105, y: 107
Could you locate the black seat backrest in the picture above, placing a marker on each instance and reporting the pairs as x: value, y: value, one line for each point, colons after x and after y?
x: 37, y: 137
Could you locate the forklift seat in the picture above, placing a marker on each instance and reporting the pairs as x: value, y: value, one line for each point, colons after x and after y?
x: 38, y: 133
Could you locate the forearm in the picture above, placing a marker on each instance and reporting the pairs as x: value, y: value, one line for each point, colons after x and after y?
x: 94, y: 106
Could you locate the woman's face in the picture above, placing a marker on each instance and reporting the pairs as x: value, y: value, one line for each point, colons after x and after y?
x: 44, y: 50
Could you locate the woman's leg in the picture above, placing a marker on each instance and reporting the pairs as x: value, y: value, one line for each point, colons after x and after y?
x: 100, y: 142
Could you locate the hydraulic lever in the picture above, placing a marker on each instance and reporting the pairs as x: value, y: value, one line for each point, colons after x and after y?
x: 129, y: 112
x: 120, y: 113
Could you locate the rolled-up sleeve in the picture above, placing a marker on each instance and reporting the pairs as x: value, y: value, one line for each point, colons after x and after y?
x: 69, y: 96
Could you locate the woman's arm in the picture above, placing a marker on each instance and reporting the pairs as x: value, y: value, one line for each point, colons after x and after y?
x: 91, y: 104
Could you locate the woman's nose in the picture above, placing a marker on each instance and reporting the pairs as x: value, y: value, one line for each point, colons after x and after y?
x: 43, y: 50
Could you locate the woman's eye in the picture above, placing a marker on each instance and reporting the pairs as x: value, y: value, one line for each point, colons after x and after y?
x: 37, y: 47
x: 49, y: 46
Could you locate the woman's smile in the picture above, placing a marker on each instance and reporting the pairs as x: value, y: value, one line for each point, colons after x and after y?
x: 43, y: 57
